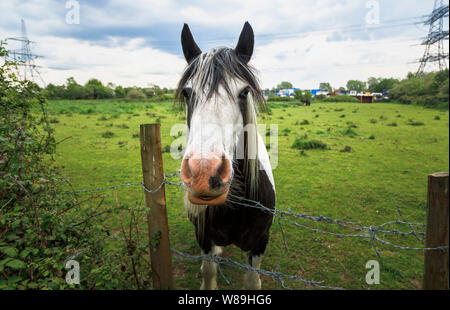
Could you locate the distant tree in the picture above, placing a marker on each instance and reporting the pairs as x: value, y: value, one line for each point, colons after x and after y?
x: 356, y: 85
x: 149, y: 92
x: 119, y: 92
x: 74, y: 90
x: 298, y: 94
x: 96, y: 90
x: 307, y: 95
x: 342, y: 89
x: 284, y: 85
x: 325, y: 86
x: 380, y: 85
x: 136, y: 94
x: 157, y: 91
x: 52, y: 91
x: 372, y: 82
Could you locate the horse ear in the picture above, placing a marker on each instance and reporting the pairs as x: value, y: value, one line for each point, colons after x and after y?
x: 190, y: 48
x: 244, y: 48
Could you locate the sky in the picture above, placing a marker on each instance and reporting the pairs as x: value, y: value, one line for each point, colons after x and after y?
x: 137, y: 43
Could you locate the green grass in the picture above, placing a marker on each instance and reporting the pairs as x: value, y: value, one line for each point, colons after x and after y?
x: 359, y: 178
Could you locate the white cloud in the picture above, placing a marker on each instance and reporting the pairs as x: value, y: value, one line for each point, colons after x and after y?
x: 291, y: 38
x: 310, y: 60
x: 129, y: 64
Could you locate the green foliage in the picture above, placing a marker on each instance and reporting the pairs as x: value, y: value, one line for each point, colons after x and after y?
x: 325, y: 86
x: 303, y: 143
x: 38, y: 229
x: 355, y: 85
x: 380, y: 85
x: 284, y: 85
x: 136, y: 94
x: 431, y: 90
x: 275, y: 98
x: 338, y: 98
x: 350, y: 132
x: 94, y: 90
x: 108, y: 134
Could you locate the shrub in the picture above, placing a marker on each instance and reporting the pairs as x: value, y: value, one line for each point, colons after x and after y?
x: 393, y: 124
x: 415, y: 123
x: 372, y: 137
x: 373, y: 121
x: 108, y: 134
x: 39, y: 230
x: 437, y: 118
x: 304, y: 144
x: 122, y: 143
x: 343, y: 98
x: 135, y: 94
x: 350, y: 132
x: 346, y: 149
x: 286, y: 131
x: 304, y: 122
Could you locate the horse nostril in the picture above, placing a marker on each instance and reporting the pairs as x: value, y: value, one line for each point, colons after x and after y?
x: 186, y: 173
x: 215, y: 182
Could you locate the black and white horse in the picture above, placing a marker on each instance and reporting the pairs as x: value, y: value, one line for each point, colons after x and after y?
x: 225, y: 160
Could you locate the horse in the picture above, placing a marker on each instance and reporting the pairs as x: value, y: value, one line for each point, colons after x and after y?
x: 306, y: 101
x: 225, y: 164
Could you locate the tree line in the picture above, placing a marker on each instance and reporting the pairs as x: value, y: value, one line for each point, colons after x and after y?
x: 95, y: 89
x: 428, y: 89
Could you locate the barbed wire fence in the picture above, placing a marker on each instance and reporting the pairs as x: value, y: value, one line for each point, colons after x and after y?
x: 370, y: 233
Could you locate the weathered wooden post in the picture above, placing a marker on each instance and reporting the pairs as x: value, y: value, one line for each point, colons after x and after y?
x: 155, y: 200
x: 436, y: 276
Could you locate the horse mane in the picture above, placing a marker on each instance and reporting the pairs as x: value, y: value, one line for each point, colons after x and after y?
x: 216, y: 68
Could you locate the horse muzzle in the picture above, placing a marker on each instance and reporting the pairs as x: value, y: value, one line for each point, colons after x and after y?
x: 206, y: 179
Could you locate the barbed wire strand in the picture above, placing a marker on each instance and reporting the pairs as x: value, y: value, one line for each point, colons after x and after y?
x: 281, y: 215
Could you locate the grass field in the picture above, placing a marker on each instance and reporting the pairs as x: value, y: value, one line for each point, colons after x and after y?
x: 377, y: 158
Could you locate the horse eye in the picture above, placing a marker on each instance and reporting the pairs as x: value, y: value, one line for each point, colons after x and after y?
x: 244, y: 93
x: 187, y: 92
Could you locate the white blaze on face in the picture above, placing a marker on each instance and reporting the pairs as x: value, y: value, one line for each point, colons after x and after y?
x: 215, y: 124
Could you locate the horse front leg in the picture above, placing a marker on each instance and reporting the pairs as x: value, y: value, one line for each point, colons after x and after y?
x: 252, y: 279
x: 209, y: 270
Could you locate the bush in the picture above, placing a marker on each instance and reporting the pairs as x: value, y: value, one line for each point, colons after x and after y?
x: 302, y: 143
x: 303, y: 122
x: 415, y: 123
x: 108, y: 134
x: 431, y: 90
x: 343, y: 98
x: 39, y: 229
x: 275, y: 98
x: 350, y: 132
x: 135, y: 94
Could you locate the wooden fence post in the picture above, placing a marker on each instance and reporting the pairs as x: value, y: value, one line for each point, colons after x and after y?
x: 436, y: 276
x: 158, y: 228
